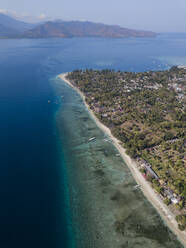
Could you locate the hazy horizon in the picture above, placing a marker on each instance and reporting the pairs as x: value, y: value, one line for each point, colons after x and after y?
x: 158, y: 16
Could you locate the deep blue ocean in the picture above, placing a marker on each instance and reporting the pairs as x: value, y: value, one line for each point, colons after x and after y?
x: 33, y: 180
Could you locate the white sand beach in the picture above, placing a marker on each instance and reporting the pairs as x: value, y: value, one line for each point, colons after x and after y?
x: 147, y: 190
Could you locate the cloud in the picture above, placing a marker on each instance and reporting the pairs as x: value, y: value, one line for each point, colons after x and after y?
x: 42, y: 16
x: 3, y: 10
x: 13, y: 13
x: 8, y: 12
x: 25, y: 16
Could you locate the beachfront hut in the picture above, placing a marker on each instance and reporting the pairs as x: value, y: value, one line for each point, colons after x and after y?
x: 151, y: 171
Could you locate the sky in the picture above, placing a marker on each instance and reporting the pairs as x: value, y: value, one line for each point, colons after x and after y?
x: 154, y: 15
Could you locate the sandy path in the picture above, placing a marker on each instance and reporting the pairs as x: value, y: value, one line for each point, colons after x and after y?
x: 147, y: 190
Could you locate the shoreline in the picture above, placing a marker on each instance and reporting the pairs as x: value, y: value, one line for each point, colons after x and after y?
x: 147, y: 190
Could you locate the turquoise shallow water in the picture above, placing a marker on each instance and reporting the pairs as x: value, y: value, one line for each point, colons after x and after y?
x: 106, y: 211
x: 55, y: 187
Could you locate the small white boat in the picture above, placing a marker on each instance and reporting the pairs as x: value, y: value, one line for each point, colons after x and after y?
x: 118, y: 154
x: 91, y: 139
x: 137, y: 186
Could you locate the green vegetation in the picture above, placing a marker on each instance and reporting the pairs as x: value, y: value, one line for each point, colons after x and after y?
x: 146, y: 112
x: 181, y: 219
x: 167, y: 201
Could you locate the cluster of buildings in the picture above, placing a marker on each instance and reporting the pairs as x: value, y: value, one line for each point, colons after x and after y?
x: 138, y: 83
x: 167, y: 192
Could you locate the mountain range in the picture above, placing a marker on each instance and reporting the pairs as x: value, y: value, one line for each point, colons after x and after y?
x: 12, y: 28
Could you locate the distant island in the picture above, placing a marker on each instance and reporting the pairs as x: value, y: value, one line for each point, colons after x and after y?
x: 83, y: 29
x: 11, y: 28
x: 146, y: 113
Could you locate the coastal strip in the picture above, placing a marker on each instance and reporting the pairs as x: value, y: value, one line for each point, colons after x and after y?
x: 147, y: 190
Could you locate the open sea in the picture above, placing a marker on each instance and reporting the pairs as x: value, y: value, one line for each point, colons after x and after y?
x: 43, y: 132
